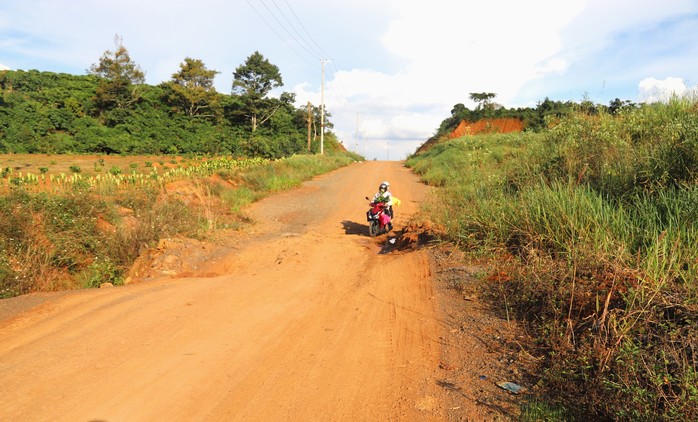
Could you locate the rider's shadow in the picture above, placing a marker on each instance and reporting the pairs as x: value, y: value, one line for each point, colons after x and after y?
x: 351, y: 227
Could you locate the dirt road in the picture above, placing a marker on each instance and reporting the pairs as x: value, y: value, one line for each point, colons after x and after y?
x: 307, y: 318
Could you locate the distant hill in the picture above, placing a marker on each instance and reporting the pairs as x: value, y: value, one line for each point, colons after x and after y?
x: 464, y: 121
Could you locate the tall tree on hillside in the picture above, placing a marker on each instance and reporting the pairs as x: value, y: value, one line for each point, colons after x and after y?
x: 122, y: 78
x: 191, y: 89
x: 483, y: 99
x: 253, y: 80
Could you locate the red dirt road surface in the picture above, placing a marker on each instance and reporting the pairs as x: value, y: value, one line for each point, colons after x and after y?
x: 306, y: 318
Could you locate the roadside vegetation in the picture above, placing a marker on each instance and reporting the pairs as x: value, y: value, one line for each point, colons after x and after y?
x: 60, y: 231
x: 588, y: 230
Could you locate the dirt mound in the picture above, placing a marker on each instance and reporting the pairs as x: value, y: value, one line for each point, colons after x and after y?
x: 176, y: 258
x: 416, y: 234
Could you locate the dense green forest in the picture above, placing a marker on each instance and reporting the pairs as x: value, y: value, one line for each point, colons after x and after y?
x: 111, y: 110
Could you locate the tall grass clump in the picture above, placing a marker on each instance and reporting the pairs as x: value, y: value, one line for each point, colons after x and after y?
x: 596, y: 219
x: 59, y: 241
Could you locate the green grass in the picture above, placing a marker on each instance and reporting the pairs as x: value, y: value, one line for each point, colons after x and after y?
x: 595, y: 221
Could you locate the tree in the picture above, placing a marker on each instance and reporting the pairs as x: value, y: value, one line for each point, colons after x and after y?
x: 191, y: 89
x: 315, y: 112
x: 253, y: 81
x: 122, y: 78
x: 458, y: 110
x: 615, y: 106
x: 482, y: 98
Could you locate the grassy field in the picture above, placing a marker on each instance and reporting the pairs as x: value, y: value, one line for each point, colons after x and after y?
x: 591, y: 232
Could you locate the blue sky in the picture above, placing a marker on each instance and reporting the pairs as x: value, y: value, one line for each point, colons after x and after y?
x: 396, y: 67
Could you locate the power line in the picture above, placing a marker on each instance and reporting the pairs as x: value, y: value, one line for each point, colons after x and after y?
x: 277, y: 34
x: 341, y: 87
x: 295, y: 30
x: 301, y: 41
x: 306, y: 31
x: 284, y: 27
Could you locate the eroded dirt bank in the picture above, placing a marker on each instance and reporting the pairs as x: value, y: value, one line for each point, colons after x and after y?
x: 304, y: 318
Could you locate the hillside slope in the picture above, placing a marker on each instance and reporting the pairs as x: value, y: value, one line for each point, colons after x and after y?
x: 501, y: 125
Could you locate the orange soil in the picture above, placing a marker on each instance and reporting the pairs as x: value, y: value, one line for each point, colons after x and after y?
x: 487, y: 126
x: 303, y: 317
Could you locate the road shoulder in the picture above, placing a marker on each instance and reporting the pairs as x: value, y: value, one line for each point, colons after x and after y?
x: 481, y: 350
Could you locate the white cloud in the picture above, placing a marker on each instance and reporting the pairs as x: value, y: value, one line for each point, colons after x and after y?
x: 495, y: 46
x: 652, y: 90
x: 551, y: 66
x: 449, y: 49
x: 4, y: 67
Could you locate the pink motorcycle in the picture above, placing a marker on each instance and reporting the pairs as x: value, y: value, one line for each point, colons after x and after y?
x: 379, y: 220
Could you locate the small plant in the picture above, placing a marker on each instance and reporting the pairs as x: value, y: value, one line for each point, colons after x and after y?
x: 75, y: 169
x: 148, y: 164
x: 538, y: 411
x: 133, y: 165
x: 43, y: 170
x: 101, y: 271
x: 115, y: 170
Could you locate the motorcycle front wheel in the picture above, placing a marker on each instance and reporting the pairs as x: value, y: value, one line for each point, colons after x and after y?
x: 373, y: 228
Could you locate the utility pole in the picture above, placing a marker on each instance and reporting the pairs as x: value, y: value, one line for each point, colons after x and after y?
x: 310, y: 117
x: 363, y: 137
x: 322, y: 108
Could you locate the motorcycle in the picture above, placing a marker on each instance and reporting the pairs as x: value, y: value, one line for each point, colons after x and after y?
x: 379, y: 221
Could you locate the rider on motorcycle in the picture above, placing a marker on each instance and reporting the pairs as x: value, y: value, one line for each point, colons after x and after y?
x: 384, y: 195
